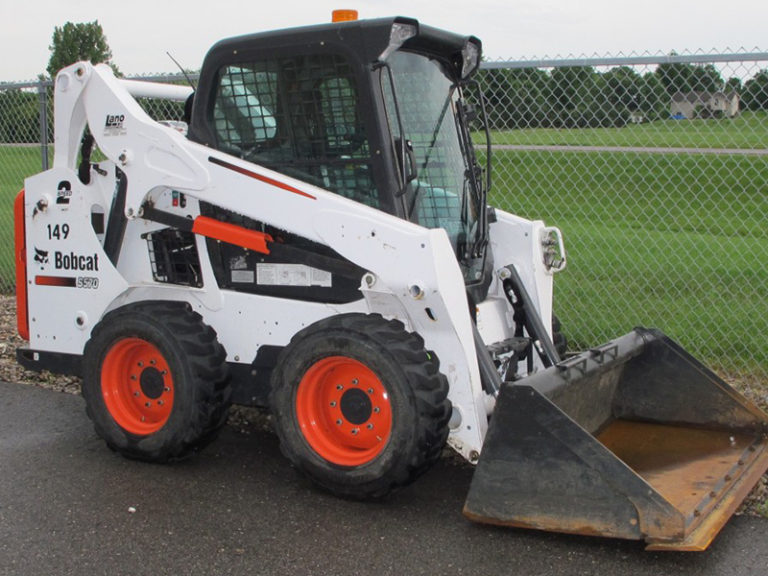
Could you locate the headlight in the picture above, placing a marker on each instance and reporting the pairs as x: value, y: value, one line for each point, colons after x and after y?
x: 471, y: 59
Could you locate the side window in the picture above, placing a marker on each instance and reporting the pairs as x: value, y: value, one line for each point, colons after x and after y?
x: 300, y: 116
x: 242, y: 112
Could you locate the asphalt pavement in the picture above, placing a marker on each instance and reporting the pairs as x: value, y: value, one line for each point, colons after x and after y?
x: 70, y: 506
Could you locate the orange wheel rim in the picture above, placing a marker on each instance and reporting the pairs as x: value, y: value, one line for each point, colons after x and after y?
x: 137, y: 386
x: 344, y: 411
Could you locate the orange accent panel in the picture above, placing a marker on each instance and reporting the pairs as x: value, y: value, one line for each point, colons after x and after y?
x: 20, y: 254
x: 232, y: 234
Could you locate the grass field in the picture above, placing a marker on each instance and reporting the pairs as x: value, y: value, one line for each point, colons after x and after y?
x: 707, y: 294
x: 677, y: 242
x: 16, y: 163
x: 746, y: 131
x: 674, y: 241
x: 708, y: 194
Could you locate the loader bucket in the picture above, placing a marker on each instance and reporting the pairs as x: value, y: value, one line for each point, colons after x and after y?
x: 635, y: 439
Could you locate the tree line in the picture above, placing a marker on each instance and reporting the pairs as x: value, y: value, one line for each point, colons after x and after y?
x: 582, y: 97
x: 70, y: 43
x: 565, y: 97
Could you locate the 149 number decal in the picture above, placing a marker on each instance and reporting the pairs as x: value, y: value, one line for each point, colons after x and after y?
x: 58, y: 231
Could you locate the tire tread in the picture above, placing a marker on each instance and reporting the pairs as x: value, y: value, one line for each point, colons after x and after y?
x: 205, y: 358
x: 428, y: 385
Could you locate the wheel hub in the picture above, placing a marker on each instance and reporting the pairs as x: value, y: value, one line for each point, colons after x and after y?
x: 343, y: 411
x: 356, y: 406
x: 137, y: 386
x: 151, y: 382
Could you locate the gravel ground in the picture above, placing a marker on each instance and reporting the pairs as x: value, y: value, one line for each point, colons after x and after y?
x: 245, y: 420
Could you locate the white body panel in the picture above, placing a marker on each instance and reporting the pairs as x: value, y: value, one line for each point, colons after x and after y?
x: 413, y: 273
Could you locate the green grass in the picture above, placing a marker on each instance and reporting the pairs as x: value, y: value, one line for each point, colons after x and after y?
x: 699, y: 289
x: 708, y: 194
x: 16, y: 163
x: 746, y: 131
x: 676, y: 242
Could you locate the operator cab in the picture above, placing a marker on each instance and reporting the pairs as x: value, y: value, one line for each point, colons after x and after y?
x: 372, y: 110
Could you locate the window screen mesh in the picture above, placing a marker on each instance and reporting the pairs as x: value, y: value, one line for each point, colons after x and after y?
x: 298, y: 116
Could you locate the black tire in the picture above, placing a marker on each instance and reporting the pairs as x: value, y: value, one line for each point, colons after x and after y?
x: 558, y: 337
x: 360, y: 406
x: 155, y: 381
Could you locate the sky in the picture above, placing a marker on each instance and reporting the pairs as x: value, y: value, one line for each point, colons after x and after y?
x: 140, y: 32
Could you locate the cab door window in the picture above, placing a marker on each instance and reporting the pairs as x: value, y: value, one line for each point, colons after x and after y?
x: 299, y: 116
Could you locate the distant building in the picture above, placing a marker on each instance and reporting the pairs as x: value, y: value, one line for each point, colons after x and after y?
x: 704, y: 104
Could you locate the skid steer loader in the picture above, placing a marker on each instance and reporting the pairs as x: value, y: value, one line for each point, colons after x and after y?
x: 319, y: 243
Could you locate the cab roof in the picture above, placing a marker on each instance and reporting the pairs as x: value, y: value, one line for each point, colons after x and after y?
x: 367, y: 38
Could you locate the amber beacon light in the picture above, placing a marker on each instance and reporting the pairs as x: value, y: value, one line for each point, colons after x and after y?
x: 344, y: 15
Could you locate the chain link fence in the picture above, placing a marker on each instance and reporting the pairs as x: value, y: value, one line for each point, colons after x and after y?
x: 656, y: 170
x: 654, y: 167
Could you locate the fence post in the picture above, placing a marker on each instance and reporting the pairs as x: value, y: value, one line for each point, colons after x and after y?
x: 42, y: 93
